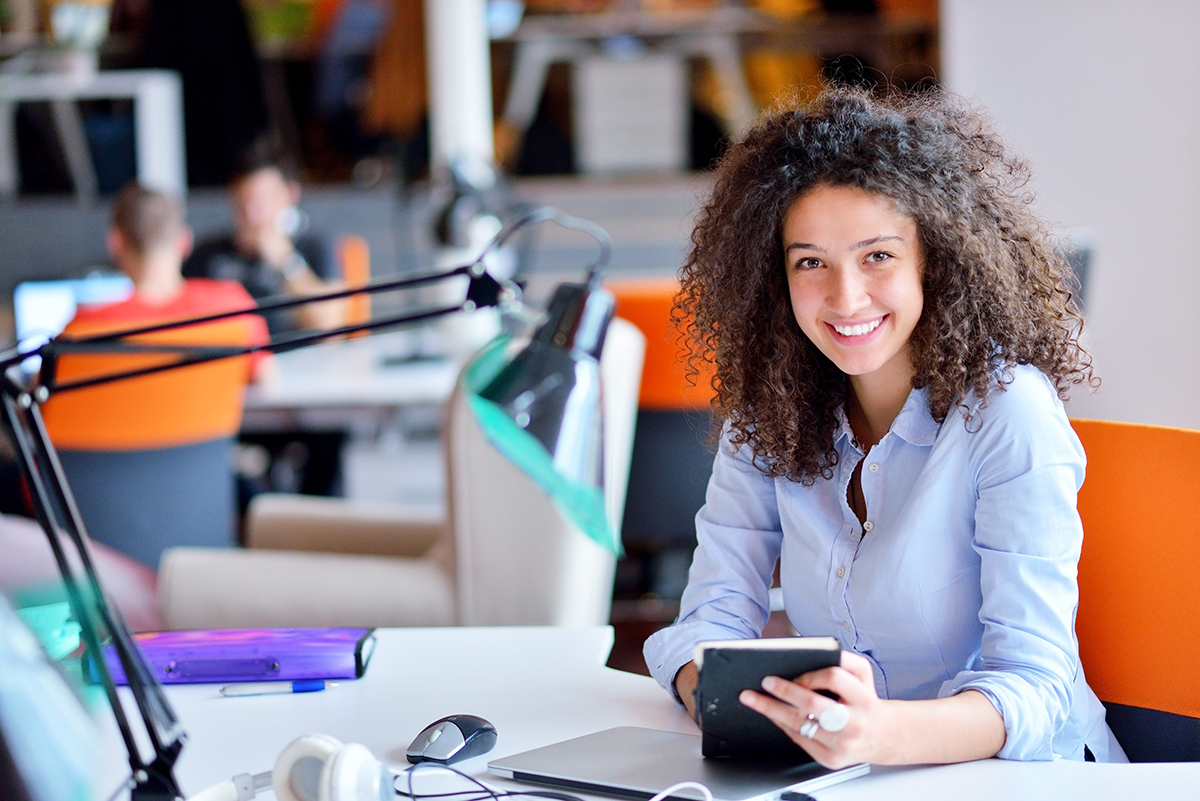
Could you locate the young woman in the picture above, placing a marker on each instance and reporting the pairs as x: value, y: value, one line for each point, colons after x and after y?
x: 893, y: 334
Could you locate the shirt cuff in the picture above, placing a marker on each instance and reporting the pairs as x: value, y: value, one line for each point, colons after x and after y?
x: 1028, y: 733
x: 667, y: 650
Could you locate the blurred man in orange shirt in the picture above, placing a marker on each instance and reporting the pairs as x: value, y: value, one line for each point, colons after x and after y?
x: 148, y: 241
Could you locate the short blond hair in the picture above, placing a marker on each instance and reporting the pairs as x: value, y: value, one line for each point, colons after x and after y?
x: 146, y: 219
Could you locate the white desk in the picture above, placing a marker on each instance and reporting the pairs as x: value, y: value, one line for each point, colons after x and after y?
x: 333, y: 384
x: 157, y: 116
x: 542, y: 685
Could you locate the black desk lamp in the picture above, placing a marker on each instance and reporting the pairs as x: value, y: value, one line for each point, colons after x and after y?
x: 550, y: 389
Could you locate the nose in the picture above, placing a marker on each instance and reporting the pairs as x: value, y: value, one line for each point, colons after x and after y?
x: 847, y: 291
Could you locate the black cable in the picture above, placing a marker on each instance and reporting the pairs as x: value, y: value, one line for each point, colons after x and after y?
x: 409, y: 776
x: 484, y: 791
x: 468, y: 795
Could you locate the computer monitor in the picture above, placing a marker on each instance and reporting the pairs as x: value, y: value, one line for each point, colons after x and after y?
x: 42, y: 309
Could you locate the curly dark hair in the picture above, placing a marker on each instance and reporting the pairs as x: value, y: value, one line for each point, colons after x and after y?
x: 997, y: 290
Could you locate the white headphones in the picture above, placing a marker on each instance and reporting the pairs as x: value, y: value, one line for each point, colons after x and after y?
x: 315, y: 767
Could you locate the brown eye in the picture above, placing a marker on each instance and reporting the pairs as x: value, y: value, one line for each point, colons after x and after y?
x: 878, y: 257
x: 808, y: 264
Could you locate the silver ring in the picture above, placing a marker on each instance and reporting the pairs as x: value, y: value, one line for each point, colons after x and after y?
x: 833, y: 718
x: 809, y: 727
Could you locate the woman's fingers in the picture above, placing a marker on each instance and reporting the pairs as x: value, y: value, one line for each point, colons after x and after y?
x: 791, y: 705
x: 848, y: 687
x: 859, y: 666
x: 790, y: 719
x: 784, y: 715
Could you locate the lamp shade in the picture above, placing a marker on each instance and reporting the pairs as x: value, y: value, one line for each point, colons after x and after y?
x: 542, y: 408
x: 551, y: 389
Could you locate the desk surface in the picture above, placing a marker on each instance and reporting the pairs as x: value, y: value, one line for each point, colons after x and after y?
x: 331, y: 383
x: 542, y: 685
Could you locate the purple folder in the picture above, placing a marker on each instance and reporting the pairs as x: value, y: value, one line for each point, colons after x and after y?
x: 200, y: 657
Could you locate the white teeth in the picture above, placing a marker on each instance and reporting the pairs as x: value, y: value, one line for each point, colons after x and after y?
x: 857, y: 330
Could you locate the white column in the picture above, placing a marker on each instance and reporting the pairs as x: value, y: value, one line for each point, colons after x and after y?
x: 460, y: 88
x: 158, y: 119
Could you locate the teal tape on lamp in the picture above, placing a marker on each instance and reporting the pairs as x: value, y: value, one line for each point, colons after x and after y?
x: 542, y: 409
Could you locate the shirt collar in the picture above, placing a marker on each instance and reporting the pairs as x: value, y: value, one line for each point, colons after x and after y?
x: 914, y: 424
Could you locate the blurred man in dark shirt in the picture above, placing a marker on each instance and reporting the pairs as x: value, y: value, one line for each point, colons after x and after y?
x: 270, y: 252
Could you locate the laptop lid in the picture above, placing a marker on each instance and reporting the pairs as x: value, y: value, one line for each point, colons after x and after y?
x: 631, y: 762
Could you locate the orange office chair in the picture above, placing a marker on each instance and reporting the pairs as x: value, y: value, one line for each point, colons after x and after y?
x: 671, y: 462
x: 355, y: 257
x: 1139, y: 585
x: 150, y: 459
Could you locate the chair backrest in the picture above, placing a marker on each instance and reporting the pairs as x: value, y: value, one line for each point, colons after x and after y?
x: 149, y: 459
x: 647, y: 304
x: 517, y: 560
x: 1139, y: 575
x: 355, y: 257
x: 164, y: 410
x: 671, y: 459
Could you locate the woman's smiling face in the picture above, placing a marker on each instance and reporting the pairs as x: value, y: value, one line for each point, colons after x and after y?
x: 854, y: 267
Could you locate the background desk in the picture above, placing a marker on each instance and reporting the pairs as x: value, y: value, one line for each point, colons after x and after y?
x: 157, y: 117
x: 334, y: 385
x: 542, y: 685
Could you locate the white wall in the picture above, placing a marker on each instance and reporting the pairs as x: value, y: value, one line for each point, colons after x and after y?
x: 1103, y: 97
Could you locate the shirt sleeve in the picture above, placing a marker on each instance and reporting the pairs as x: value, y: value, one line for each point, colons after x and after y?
x: 738, y: 541
x: 199, y: 261
x: 1028, y: 467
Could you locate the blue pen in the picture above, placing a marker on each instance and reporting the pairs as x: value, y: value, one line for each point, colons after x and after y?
x: 275, y: 688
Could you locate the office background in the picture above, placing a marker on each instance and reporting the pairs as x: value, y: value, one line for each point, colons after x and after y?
x: 1098, y: 95
x: 1101, y: 97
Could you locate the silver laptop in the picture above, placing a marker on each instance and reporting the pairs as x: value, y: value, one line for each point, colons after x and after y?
x: 632, y: 762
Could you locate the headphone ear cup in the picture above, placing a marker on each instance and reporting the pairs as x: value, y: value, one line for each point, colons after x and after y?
x: 354, y: 774
x: 297, y: 771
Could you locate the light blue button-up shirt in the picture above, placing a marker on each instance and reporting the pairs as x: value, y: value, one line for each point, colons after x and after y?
x: 963, y: 576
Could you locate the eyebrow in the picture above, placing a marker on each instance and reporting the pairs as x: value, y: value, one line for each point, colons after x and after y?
x: 866, y: 243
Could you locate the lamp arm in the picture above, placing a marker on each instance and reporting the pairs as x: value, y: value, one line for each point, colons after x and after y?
x: 200, y: 354
x: 267, y: 305
x: 59, y: 517
x: 482, y: 291
x: 478, y: 294
x: 595, y: 270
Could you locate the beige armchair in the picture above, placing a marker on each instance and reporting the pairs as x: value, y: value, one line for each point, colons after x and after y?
x: 505, y: 556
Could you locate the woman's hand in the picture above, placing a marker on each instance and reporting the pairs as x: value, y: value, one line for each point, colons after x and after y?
x: 868, y: 733
x: 685, y: 685
x: 955, y: 729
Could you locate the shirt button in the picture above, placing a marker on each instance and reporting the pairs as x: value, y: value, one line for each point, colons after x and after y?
x: 867, y: 526
x: 846, y: 623
x: 841, y: 572
x: 874, y: 468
